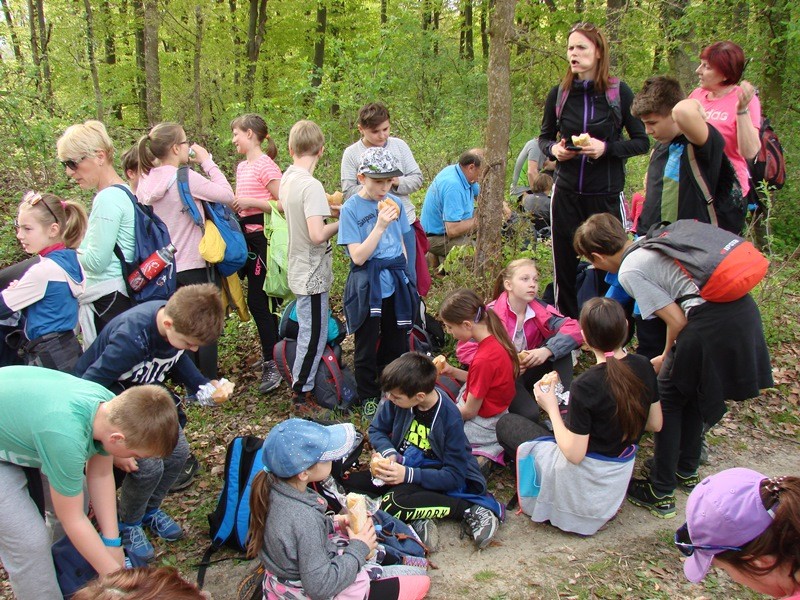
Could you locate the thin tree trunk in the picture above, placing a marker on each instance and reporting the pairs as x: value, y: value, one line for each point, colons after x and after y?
x: 198, y: 47
x: 319, y: 44
x: 484, y: 29
x: 152, y: 73
x: 615, y: 11
x: 44, y: 42
x: 488, y: 253
x: 98, y: 94
x: 384, y: 11
x: 138, y: 34
x: 255, y: 37
x: 680, y: 47
x: 778, y: 16
x: 33, y: 24
x: 237, y: 44
x: 469, y: 46
x: 110, y: 46
x: 12, y: 32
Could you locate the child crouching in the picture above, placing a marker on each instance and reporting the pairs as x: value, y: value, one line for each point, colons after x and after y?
x: 292, y: 535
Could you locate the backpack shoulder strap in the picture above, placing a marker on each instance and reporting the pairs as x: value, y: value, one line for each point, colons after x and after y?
x: 700, y: 180
x: 613, y: 99
x: 561, y: 100
x: 129, y: 193
x: 186, y: 195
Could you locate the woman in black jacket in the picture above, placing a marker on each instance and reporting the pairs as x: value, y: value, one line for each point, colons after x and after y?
x: 589, y: 177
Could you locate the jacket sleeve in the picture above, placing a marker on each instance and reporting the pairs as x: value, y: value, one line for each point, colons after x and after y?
x: 349, y: 168
x: 380, y: 430
x: 411, y: 180
x: 567, y: 336
x: 114, y: 360
x: 97, y: 248
x: 29, y: 289
x: 455, y: 456
x: 549, y: 130
x: 639, y: 142
x: 214, y: 189
x: 187, y: 373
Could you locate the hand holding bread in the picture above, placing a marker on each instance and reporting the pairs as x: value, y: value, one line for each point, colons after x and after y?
x: 335, y: 199
x: 440, y: 362
x: 583, y: 139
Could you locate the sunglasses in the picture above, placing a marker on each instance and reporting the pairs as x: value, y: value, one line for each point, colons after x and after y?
x: 584, y: 26
x: 687, y: 548
x: 32, y: 198
x: 72, y: 165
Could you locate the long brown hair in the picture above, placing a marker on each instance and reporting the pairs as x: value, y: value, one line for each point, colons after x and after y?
x: 68, y: 214
x: 258, y: 126
x: 141, y: 583
x: 781, y: 540
x: 156, y: 144
x: 605, y: 329
x: 259, y: 509
x: 464, y: 305
x: 595, y: 35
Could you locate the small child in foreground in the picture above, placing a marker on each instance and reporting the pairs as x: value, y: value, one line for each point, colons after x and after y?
x: 293, y: 536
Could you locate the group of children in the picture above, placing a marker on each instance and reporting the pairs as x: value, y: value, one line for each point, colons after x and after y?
x: 583, y: 443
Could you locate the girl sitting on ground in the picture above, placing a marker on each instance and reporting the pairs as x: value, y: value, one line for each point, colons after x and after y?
x: 543, y: 339
x: 47, y: 294
x: 489, y: 385
x: 583, y: 473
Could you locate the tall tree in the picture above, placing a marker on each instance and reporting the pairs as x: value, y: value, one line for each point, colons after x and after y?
x: 110, y: 46
x: 488, y: 253
x: 198, y: 48
x: 484, y: 29
x: 319, y: 43
x: 615, y: 11
x: 40, y: 41
x: 237, y: 43
x: 141, y: 85
x: 12, y: 32
x: 98, y: 94
x: 777, y: 21
x: 466, y: 47
x: 255, y: 37
x: 152, y: 72
x: 679, y: 37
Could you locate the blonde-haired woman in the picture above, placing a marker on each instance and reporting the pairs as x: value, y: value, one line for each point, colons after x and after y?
x: 87, y: 153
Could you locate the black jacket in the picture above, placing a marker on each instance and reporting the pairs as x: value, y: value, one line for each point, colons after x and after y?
x: 588, y: 111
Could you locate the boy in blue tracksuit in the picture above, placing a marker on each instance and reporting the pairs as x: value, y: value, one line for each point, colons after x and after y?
x: 379, y: 298
x: 137, y: 347
x: 430, y: 471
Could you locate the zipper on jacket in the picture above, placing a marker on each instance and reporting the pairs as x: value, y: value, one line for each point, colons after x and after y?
x: 585, y: 124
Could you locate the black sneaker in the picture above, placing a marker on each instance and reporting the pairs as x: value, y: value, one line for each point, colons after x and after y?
x: 686, y: 482
x: 270, y: 377
x: 186, y: 476
x: 428, y: 533
x: 481, y: 524
x: 641, y: 493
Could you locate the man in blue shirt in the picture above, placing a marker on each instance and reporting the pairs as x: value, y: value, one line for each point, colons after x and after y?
x: 448, y: 210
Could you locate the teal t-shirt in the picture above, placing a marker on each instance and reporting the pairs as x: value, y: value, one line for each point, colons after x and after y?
x: 46, y: 420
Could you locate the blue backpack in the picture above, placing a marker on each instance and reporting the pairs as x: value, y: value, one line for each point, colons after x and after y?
x: 150, y: 234
x: 225, y: 220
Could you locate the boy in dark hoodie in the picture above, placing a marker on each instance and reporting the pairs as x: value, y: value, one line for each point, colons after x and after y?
x: 430, y: 472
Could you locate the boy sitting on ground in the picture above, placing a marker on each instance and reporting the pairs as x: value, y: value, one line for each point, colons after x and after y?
x: 424, y: 464
x: 61, y: 424
x: 141, y: 346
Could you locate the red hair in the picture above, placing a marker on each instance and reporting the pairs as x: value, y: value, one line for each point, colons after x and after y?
x: 727, y: 58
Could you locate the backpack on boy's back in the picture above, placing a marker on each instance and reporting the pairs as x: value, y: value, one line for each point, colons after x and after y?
x: 724, y: 266
x: 220, y: 228
x: 151, y: 237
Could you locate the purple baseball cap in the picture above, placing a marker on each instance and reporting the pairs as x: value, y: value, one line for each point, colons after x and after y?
x: 296, y: 445
x: 724, y: 509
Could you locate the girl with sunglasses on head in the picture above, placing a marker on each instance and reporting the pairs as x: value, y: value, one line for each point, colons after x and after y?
x: 87, y: 154
x: 161, y: 152
x: 47, y: 294
x: 584, y: 471
x: 748, y: 525
x: 590, y: 177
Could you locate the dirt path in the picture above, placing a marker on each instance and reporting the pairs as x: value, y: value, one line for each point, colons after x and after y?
x: 632, y: 558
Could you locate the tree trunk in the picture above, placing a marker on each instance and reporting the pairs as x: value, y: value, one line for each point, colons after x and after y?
x: 255, y: 37
x: 488, y: 254
x: 98, y: 94
x: 44, y: 41
x: 778, y: 16
x: 152, y: 73
x: 384, y: 11
x: 32, y: 23
x: 484, y: 31
x: 615, y: 11
x: 138, y: 34
x: 319, y: 44
x: 110, y: 46
x: 237, y: 44
x: 198, y: 47
x: 466, y: 49
x: 680, y: 47
x: 12, y: 32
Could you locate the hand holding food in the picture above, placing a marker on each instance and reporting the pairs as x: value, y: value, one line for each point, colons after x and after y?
x: 549, y: 379
x: 335, y: 199
x: 388, y: 203
x: 223, y: 391
x: 440, y: 362
x: 583, y: 139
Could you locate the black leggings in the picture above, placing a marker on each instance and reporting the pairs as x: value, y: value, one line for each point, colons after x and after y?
x: 514, y: 430
x: 206, y: 357
x: 109, y: 306
x: 261, y: 306
x: 523, y: 402
x: 408, y: 501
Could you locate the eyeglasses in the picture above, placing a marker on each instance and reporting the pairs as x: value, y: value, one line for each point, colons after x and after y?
x: 183, y: 142
x: 72, y: 165
x: 585, y: 26
x: 687, y: 548
x: 33, y: 198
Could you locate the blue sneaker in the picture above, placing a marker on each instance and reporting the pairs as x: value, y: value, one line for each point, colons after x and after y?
x: 163, y: 526
x: 135, y: 542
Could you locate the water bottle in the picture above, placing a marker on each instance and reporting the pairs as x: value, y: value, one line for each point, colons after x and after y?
x: 151, y: 267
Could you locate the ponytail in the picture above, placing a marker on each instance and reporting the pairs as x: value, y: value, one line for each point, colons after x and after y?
x: 69, y: 215
x: 605, y: 328
x: 498, y: 330
x: 499, y: 283
x: 75, y: 224
x: 156, y: 144
x: 145, y: 158
x: 259, y: 509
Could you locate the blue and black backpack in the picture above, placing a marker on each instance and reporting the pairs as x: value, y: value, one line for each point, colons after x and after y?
x: 150, y: 234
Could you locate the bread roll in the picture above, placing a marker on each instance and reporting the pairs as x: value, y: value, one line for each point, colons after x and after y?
x: 378, y: 460
x: 335, y: 199
x: 581, y: 140
x: 549, y: 378
x: 388, y: 203
x: 523, y: 355
x: 223, y: 392
x: 357, y: 509
x: 439, y: 362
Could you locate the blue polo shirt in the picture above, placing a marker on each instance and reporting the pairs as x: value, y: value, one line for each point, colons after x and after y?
x: 450, y: 198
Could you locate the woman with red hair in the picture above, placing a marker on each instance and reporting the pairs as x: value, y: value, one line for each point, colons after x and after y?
x: 731, y: 106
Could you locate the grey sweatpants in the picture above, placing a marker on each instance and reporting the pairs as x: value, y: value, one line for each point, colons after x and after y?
x: 144, y: 490
x: 24, y: 539
x: 312, y: 316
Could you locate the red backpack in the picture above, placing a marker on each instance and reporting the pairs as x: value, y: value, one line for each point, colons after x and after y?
x: 769, y: 164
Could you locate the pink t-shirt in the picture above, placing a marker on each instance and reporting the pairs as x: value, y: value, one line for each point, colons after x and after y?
x: 722, y: 115
x: 252, y: 178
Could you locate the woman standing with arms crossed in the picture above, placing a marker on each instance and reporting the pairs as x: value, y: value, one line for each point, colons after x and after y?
x: 589, y: 179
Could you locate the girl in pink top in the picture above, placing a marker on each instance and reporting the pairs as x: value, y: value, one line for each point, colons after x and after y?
x: 734, y: 110
x: 166, y: 145
x: 257, y: 182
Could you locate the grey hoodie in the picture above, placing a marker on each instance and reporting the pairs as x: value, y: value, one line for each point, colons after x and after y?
x: 296, y: 544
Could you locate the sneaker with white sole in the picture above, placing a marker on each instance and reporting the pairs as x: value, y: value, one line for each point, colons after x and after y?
x: 270, y: 377
x: 187, y: 474
x: 641, y: 493
x: 163, y: 526
x: 428, y: 533
x: 135, y: 542
x: 481, y: 524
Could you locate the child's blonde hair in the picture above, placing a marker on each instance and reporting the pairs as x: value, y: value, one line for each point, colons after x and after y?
x: 83, y: 140
x: 306, y: 139
x: 147, y: 417
x: 69, y: 215
x: 508, y: 273
x: 156, y: 144
x: 465, y: 305
x: 197, y: 312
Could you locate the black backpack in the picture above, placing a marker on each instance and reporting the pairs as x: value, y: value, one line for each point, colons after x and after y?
x: 769, y: 164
